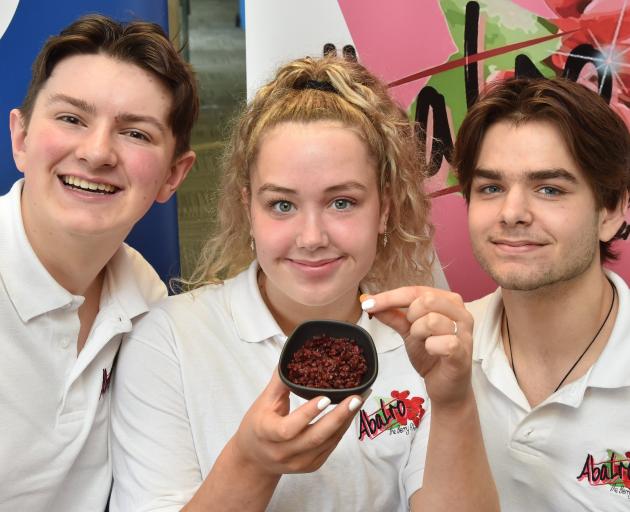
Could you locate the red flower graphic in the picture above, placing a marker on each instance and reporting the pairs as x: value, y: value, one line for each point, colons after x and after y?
x: 413, y: 408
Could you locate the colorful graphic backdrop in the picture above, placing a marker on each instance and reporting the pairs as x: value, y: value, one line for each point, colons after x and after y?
x: 437, y: 55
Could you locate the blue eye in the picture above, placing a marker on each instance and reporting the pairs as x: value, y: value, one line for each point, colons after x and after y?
x: 490, y: 189
x: 342, y: 204
x: 282, y: 206
x: 550, y: 191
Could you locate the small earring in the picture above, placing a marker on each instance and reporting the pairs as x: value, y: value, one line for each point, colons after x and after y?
x: 385, y: 239
x: 252, y: 245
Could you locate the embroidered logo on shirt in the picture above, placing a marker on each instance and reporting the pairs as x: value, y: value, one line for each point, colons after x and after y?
x: 613, y: 471
x: 397, y: 414
x: 107, y: 377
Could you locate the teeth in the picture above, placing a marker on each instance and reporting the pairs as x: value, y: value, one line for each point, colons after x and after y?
x: 88, y: 185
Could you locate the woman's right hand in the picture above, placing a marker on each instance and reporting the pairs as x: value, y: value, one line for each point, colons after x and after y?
x: 277, y: 440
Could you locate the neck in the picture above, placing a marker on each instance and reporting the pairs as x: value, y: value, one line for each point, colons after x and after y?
x: 74, y: 261
x: 551, y: 329
x: 77, y: 265
x: 552, y: 318
x: 289, y: 314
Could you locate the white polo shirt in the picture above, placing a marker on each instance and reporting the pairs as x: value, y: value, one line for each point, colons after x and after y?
x: 562, y: 455
x: 193, y: 367
x: 54, y: 406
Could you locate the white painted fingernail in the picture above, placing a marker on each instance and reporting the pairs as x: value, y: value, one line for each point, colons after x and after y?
x: 368, y: 304
x: 323, y: 403
x: 354, y: 404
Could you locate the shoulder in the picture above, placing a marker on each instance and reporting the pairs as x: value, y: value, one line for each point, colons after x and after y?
x: 620, y: 284
x: 623, y: 295
x: 10, y: 212
x: 179, y: 316
x: 149, y: 283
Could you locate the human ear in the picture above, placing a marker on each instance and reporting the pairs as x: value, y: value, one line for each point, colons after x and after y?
x: 612, y: 219
x: 17, y: 125
x: 178, y: 172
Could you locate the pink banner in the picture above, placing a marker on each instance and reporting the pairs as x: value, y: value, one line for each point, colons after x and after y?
x: 421, y: 49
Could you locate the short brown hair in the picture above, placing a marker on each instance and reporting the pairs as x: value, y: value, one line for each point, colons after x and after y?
x: 596, y: 137
x: 140, y: 43
x: 329, y: 89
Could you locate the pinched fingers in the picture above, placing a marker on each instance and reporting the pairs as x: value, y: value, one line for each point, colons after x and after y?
x: 442, y: 335
x: 398, y: 298
x: 441, y: 327
x: 401, y: 307
x: 442, y: 302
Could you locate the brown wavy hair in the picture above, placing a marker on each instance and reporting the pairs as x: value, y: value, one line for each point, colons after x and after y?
x: 361, y: 102
x: 140, y: 43
x: 596, y: 137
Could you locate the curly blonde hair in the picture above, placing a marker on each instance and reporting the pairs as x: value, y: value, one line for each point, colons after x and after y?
x: 360, y: 101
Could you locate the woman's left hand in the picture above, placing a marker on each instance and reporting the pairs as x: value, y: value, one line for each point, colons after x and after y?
x: 437, y: 329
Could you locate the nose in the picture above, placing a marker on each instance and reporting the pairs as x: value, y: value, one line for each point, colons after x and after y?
x: 516, y: 207
x: 312, y: 234
x: 96, y: 147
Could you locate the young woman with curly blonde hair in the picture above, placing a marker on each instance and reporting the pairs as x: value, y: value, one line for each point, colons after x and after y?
x: 321, y: 200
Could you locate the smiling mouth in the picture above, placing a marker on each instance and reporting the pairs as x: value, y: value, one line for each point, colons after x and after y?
x: 517, y: 243
x: 517, y: 248
x: 315, y: 264
x: 88, y: 186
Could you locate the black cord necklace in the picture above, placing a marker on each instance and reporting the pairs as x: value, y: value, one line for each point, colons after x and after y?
x: 507, y: 328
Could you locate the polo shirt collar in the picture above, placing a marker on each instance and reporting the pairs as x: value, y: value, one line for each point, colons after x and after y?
x: 611, y: 368
x: 488, y: 351
x: 122, y: 287
x: 30, y: 287
x: 485, y: 333
x: 252, y: 319
x: 254, y: 322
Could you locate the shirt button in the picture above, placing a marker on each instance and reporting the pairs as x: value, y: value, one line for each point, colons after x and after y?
x: 529, y: 432
x: 65, y: 342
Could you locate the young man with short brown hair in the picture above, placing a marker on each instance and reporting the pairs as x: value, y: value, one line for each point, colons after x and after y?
x: 103, y: 133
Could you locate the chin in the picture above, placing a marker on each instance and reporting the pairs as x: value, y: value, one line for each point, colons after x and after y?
x: 527, y: 283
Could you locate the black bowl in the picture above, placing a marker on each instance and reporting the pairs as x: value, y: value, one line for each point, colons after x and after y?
x: 334, y: 329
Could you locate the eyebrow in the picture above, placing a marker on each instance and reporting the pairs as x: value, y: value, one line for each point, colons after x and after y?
x: 86, y: 107
x: 135, y: 118
x: 544, y: 174
x: 89, y: 108
x: 342, y: 187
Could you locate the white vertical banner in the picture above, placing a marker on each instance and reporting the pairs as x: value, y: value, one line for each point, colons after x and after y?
x: 7, y: 10
x: 282, y: 30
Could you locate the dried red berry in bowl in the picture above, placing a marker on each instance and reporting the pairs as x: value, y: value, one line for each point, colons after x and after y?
x: 330, y: 358
x: 327, y: 362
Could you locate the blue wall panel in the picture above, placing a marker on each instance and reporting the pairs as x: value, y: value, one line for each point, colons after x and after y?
x: 155, y: 236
